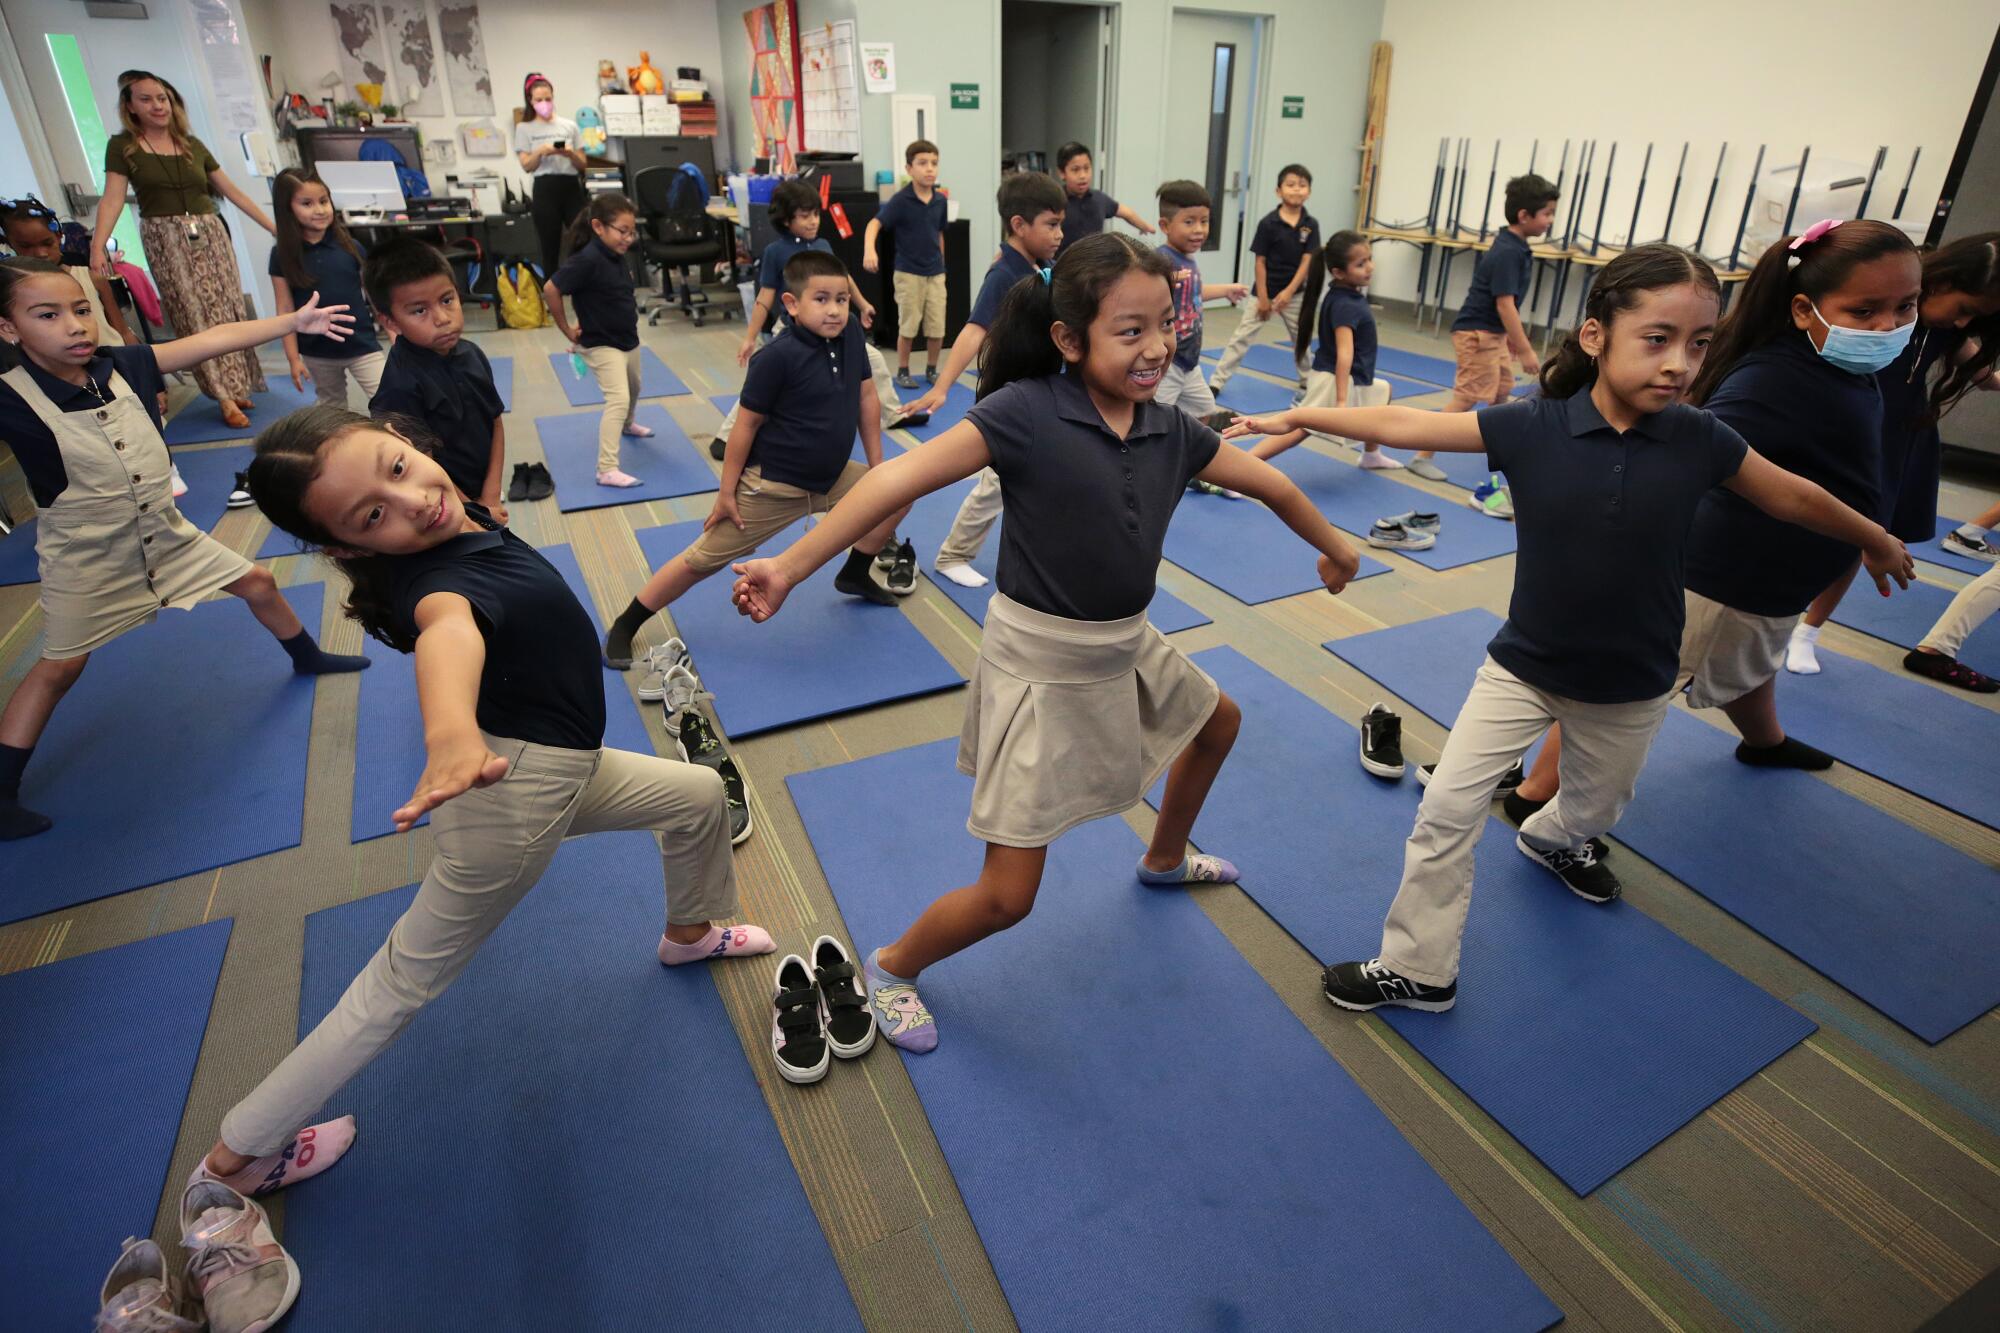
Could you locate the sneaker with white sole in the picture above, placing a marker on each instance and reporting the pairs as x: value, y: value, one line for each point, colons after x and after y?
x: 1370, y: 985
x: 850, y: 1024
x: 180, y: 486
x: 245, y: 1279
x: 699, y: 744
x: 1390, y: 535
x: 1429, y: 471
x: 139, y: 1294
x: 1582, y: 872
x: 902, y: 577
x: 1972, y: 548
x: 798, y: 1024
x: 1492, y: 499
x: 658, y: 661
x: 239, y: 496
x: 1509, y: 781
x: 1417, y: 520
x: 1382, y: 742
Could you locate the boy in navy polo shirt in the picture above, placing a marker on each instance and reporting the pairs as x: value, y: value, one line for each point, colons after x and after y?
x: 433, y: 373
x: 1488, y: 326
x: 1086, y: 209
x: 915, y: 217
x: 1031, y: 215
x: 1285, y: 240
x: 791, y: 454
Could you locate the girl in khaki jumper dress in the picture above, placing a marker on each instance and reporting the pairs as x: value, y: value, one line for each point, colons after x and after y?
x: 113, y: 548
x: 1076, y: 705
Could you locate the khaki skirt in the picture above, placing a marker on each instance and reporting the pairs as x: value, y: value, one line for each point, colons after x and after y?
x: 1071, y: 720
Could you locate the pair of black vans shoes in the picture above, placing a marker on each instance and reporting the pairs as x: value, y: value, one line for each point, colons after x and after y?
x: 820, y: 1011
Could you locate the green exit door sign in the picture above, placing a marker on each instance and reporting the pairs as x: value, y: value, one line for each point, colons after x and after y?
x: 965, y: 97
x: 1295, y: 109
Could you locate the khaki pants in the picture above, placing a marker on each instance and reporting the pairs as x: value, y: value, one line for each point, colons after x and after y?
x: 329, y: 377
x: 617, y: 375
x: 492, y: 845
x: 919, y: 305
x: 1604, y: 747
x: 1250, y: 326
x: 1975, y: 603
x: 768, y: 508
x: 976, y: 516
x: 1187, y: 390
x: 1484, y: 374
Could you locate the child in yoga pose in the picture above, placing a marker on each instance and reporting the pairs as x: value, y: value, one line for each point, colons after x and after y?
x: 1090, y: 471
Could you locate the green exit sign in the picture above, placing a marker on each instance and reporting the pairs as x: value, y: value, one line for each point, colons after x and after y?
x: 1295, y: 109
x: 965, y: 97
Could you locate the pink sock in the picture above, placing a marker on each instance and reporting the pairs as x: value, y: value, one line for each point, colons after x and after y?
x: 315, y: 1148
x: 720, y: 942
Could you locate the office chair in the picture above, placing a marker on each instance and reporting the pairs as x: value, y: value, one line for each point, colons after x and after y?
x: 679, y: 236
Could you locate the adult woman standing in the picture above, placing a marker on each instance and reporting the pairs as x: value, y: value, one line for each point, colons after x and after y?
x: 546, y: 145
x: 188, y: 250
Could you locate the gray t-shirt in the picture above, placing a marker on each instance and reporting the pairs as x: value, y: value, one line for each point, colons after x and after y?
x: 532, y: 134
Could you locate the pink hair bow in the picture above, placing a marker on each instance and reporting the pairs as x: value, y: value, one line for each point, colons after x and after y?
x: 1807, y: 237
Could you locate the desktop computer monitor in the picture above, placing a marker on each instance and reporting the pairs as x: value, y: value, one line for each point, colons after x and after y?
x: 363, y: 187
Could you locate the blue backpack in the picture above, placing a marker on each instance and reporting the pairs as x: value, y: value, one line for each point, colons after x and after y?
x: 413, y: 182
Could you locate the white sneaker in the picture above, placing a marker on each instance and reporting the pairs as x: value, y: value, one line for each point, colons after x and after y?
x: 140, y: 1295
x: 964, y: 575
x: 1801, y: 655
x: 660, y: 659
x: 180, y: 486
x: 245, y: 1278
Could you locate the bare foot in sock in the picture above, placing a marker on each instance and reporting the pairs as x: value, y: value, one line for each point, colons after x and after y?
x: 313, y: 1150
x: 964, y: 575
x: 720, y: 942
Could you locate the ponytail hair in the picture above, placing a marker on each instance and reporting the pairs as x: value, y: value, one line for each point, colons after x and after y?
x: 1644, y: 268
x: 1021, y: 345
x: 1812, y: 265
x: 1336, y: 253
x: 290, y: 453
x: 1969, y: 266
x: 605, y: 208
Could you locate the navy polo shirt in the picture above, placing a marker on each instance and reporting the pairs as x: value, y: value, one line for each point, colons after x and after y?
x: 808, y: 390
x: 336, y: 275
x: 1285, y: 247
x: 1346, y: 308
x: 1807, y: 416
x: 33, y: 443
x: 543, y: 682
x: 454, y: 395
x: 600, y: 287
x: 1008, y: 269
x: 917, y: 227
x: 1087, y: 512
x: 1085, y: 215
x: 1505, y: 270
x: 771, y: 267
x: 1911, y: 444
x: 1185, y: 283
x: 1602, y: 520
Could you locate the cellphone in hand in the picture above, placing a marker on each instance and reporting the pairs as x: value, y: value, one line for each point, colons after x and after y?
x: 562, y: 143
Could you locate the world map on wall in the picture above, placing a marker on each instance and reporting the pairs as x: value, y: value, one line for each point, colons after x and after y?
x: 361, y: 58
x: 465, y: 66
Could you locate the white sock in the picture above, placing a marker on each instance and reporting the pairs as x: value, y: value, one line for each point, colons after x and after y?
x: 1972, y: 532
x: 1800, y: 657
x: 964, y: 575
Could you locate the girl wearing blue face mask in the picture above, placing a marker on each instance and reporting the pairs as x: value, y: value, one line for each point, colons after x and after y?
x: 1791, y: 370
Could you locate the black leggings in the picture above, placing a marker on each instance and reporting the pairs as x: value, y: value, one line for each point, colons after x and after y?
x: 557, y: 201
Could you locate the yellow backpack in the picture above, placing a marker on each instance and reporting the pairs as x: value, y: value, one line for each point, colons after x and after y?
x: 521, y: 304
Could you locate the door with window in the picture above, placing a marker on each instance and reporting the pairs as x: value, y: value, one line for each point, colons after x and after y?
x: 1214, y: 71
x: 72, y: 61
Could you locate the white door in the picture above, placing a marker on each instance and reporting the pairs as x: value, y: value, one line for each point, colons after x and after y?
x: 72, y: 62
x: 1213, y: 68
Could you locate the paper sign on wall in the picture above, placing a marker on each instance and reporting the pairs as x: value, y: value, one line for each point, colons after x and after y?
x: 1294, y: 109
x: 965, y: 97
x: 878, y: 66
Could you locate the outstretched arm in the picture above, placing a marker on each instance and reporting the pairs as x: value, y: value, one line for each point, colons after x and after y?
x: 451, y: 656
x: 1393, y: 427
x: 1790, y: 498
x: 1238, y: 471
x: 331, y: 321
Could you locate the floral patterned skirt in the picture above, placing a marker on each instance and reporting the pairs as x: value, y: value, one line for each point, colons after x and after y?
x: 194, y: 266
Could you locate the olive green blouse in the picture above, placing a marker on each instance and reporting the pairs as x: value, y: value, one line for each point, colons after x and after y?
x: 166, y: 186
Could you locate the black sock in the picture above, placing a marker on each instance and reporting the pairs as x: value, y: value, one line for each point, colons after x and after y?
x: 618, y: 640
x: 854, y: 580
x: 1787, y: 753
x: 309, y: 659
x: 15, y: 820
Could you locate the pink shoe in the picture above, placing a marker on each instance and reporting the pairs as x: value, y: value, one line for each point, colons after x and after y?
x: 615, y: 477
x: 637, y: 431
x: 1377, y: 462
x: 245, y: 1279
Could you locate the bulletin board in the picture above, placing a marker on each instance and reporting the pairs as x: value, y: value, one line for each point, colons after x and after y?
x: 828, y: 79
x: 774, y: 82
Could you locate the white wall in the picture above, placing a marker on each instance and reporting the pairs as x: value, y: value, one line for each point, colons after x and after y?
x: 1842, y: 75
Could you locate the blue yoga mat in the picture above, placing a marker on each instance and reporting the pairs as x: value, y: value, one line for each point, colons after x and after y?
x: 564, y: 1040
x: 96, y: 1055
x: 1437, y: 371
x: 389, y: 732
x: 1246, y: 550
x: 1905, y: 923
x: 1590, y: 1033
x: 503, y: 380
x: 1352, y: 499
x: 1906, y: 616
x: 1252, y: 396
x: 209, y: 701
x: 18, y: 561
x: 667, y: 464
x: 200, y: 421
x: 1275, y: 359
x: 1098, y: 1065
x: 655, y: 379
x: 823, y: 654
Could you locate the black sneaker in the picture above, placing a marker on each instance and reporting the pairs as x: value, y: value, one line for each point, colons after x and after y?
x: 1975, y: 548
x: 1382, y: 742
x: 1581, y: 871
x: 798, y: 1027
x: 517, y: 486
x: 1517, y: 808
x: 850, y: 1026
x: 902, y: 578
x: 1509, y: 780
x: 701, y: 745
x: 540, y: 484
x: 930, y: 375
x: 717, y: 447
x: 1369, y: 985
x: 239, y: 498
x: 1949, y: 670
x: 913, y: 419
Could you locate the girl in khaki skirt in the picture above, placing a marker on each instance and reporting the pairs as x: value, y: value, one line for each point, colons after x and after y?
x: 1077, y: 704
x: 84, y: 423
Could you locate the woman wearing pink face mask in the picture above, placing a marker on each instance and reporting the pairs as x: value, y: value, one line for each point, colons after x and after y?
x: 546, y: 145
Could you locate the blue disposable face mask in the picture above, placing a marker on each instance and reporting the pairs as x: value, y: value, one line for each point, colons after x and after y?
x: 1862, y: 351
